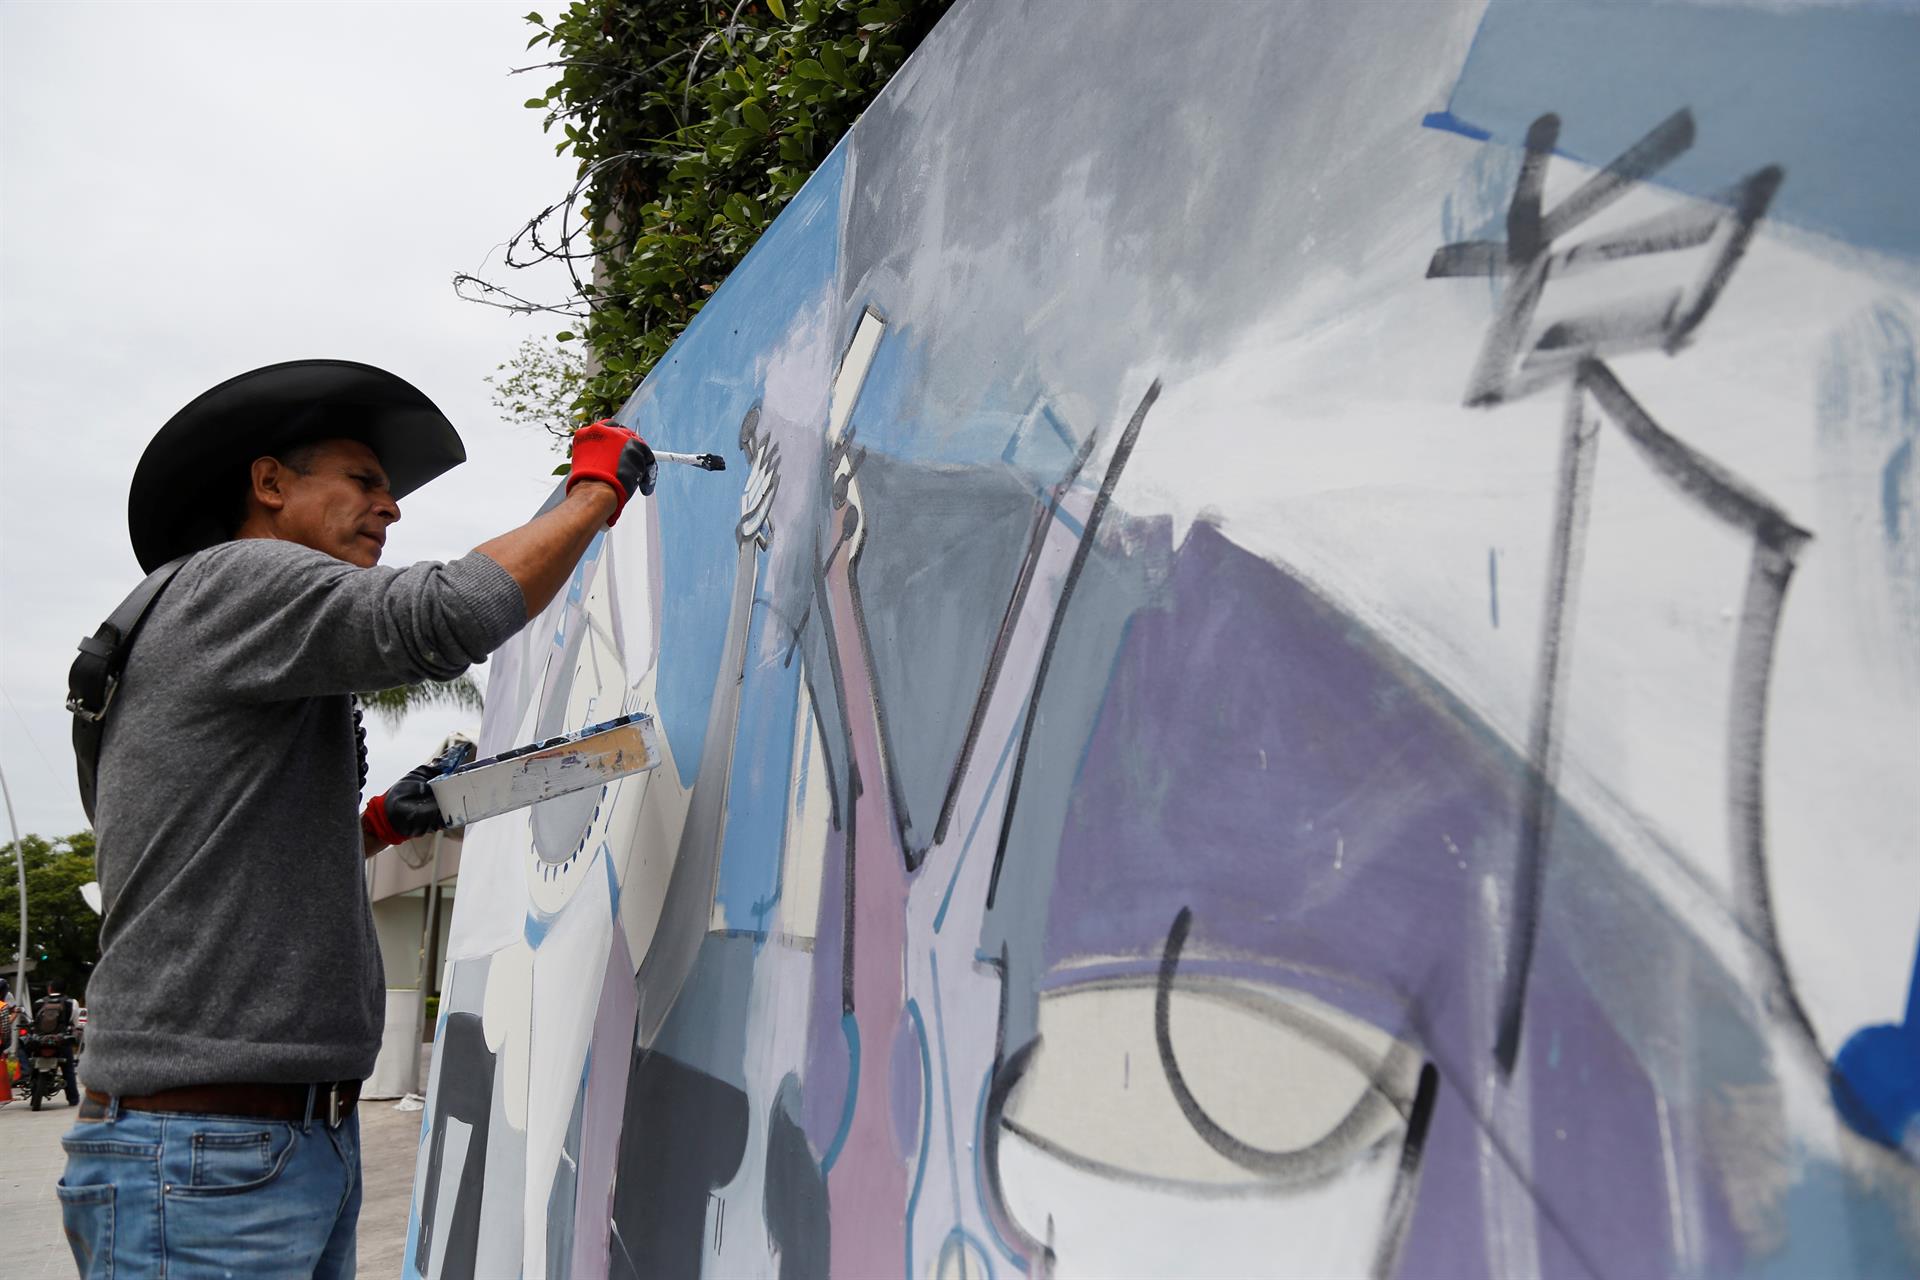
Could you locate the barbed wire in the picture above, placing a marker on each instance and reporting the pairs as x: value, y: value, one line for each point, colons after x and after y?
x: 525, y: 248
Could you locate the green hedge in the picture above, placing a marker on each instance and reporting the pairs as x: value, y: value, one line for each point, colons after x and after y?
x: 694, y: 123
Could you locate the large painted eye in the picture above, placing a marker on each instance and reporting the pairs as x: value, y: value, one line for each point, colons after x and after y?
x: 1292, y: 1090
x: 1191, y: 1105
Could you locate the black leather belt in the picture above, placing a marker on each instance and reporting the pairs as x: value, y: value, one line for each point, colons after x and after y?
x: 292, y: 1103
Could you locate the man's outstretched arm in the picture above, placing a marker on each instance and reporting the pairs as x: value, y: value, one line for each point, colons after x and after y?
x: 610, y: 465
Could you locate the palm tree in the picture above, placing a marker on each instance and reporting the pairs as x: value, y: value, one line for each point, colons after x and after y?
x: 392, y: 705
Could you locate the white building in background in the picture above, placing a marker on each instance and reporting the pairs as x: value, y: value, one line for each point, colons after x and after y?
x: 412, y: 929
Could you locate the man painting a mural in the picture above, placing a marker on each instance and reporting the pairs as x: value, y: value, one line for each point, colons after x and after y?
x: 238, y: 1002
x: 1248, y: 716
x: 1308, y: 669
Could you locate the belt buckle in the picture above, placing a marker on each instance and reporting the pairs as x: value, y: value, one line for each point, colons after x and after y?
x: 333, y: 1106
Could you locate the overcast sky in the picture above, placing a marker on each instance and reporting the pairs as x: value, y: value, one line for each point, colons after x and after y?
x: 189, y: 191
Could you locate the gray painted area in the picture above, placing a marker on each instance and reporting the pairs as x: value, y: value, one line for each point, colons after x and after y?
x: 560, y: 1225
x: 1110, y: 591
x: 1144, y: 186
x: 708, y: 1027
x: 796, y: 1194
x: 943, y: 551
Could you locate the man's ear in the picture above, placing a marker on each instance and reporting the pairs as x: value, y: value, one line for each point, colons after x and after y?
x: 268, y: 477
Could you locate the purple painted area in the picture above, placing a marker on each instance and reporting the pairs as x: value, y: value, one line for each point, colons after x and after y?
x: 1445, y: 1239
x: 1596, y: 1153
x: 825, y: 1082
x: 1323, y: 808
x: 905, y: 1087
x: 1263, y: 760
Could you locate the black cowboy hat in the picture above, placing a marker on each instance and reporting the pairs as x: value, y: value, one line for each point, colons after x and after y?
x: 179, y: 500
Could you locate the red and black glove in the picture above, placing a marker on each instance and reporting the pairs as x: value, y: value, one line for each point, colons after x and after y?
x: 613, y: 455
x: 408, y: 808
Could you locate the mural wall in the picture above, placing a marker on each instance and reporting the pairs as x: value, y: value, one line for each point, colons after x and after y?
x: 1309, y: 664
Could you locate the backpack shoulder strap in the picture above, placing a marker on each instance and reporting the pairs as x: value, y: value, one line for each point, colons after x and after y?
x: 95, y: 675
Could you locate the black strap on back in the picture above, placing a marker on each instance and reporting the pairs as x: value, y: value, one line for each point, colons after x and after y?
x: 95, y: 675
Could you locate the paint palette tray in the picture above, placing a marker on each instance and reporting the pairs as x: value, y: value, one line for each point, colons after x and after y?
x: 591, y: 757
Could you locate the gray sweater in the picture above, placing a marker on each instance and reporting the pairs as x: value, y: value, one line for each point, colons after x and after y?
x: 237, y: 940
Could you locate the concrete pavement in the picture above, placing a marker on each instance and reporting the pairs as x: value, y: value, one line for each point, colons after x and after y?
x: 31, y: 1161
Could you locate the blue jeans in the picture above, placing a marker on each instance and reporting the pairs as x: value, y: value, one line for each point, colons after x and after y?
x: 188, y: 1196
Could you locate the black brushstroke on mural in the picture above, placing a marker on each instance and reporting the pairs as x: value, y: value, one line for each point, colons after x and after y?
x: 1571, y: 506
x: 684, y: 1136
x: 1571, y: 350
x: 1007, y: 1074
x: 1406, y: 1178
x: 463, y: 1092
x: 1777, y: 540
x: 1004, y: 637
x: 1529, y: 257
x: 1003, y: 1078
x: 1323, y: 1157
x: 1122, y: 450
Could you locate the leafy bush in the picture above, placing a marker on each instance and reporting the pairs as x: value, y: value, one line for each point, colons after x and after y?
x: 694, y: 123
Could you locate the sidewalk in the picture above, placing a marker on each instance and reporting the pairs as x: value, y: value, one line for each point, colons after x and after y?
x: 36, y: 1247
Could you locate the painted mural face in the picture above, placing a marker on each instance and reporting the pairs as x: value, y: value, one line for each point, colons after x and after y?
x: 1358, y: 720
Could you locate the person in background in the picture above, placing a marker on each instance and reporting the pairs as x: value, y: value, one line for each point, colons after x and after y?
x: 55, y: 1014
x: 10, y: 1014
x: 227, y: 811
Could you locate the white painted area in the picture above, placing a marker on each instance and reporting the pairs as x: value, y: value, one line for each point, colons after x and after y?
x: 453, y: 1168
x: 1101, y: 1228
x: 803, y: 857
x: 567, y: 973
x: 853, y: 374
x: 506, y: 1018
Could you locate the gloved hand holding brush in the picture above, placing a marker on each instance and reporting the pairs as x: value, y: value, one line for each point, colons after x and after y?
x: 615, y: 456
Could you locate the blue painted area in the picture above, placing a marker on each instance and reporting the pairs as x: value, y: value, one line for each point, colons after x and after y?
x: 693, y: 401
x: 1875, y: 1077
x: 1828, y: 92
x: 919, y: 1025
x: 851, y: 1030
x: 536, y: 931
x: 1450, y: 123
x: 749, y: 878
x: 1833, y: 1224
x: 613, y: 882
x: 1044, y: 445
x: 980, y: 1176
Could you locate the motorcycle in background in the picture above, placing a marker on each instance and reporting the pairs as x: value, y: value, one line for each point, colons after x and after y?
x: 45, y: 1054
